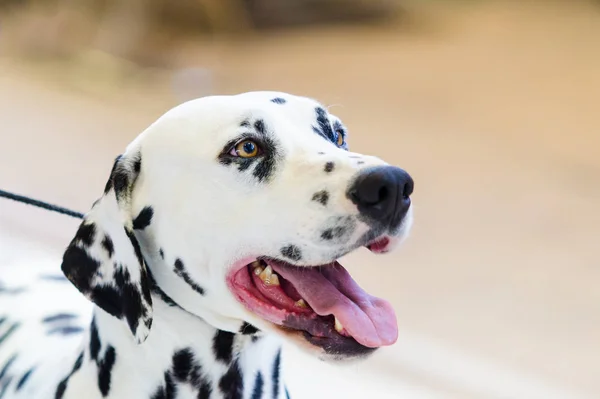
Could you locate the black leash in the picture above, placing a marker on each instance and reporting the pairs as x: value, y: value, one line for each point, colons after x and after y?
x: 40, y: 204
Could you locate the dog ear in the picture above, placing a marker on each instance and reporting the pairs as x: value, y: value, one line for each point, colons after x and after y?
x: 104, y: 260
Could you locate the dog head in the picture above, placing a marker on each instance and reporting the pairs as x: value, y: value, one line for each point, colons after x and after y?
x: 240, y: 206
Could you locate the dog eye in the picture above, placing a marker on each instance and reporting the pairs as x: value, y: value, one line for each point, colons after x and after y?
x: 340, y: 139
x: 245, y: 149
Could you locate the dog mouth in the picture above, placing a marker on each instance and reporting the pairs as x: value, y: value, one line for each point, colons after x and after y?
x: 321, y: 302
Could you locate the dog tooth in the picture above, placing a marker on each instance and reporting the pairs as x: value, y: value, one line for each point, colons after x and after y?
x: 265, y: 274
x: 258, y: 270
x: 338, y: 326
x: 273, y: 280
x: 301, y: 303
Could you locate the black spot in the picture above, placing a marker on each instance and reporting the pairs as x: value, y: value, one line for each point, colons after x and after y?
x: 323, y: 127
x: 24, y: 378
x: 292, y: 252
x: 68, y: 330
x: 135, y: 245
x: 181, y: 272
x: 2, y: 320
x: 321, y: 153
x: 144, y: 218
x: 6, y: 366
x: 327, y: 234
x: 86, y: 234
x: 166, y: 391
x: 276, y: 371
x: 108, y: 299
x: 232, y: 384
x: 257, y: 391
x: 248, y: 329
x: 9, y: 332
x: 287, y: 393
x: 105, y: 367
x: 108, y: 245
x: 62, y: 386
x: 223, y: 345
x: 245, y: 123
x: 109, y: 183
x: 329, y: 167
x: 183, y: 364
x: 59, y: 317
x: 130, y: 298
x: 259, y: 125
x: 278, y: 100
x: 245, y: 163
x: 137, y: 165
x: 79, y: 268
x: 161, y: 253
x: 335, y: 232
x: 321, y: 197
x: 95, y: 343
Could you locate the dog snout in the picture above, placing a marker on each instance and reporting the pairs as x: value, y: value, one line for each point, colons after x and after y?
x: 382, y: 194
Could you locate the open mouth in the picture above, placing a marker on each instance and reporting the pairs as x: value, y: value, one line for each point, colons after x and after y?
x: 323, y: 303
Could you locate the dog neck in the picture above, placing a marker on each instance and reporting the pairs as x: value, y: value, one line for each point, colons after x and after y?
x: 183, y: 357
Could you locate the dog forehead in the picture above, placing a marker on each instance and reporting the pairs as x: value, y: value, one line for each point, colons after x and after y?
x: 204, y: 125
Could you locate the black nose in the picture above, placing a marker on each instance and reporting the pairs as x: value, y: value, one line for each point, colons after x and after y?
x: 382, y: 194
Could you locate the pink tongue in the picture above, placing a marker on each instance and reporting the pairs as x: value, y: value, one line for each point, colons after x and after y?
x: 331, y: 290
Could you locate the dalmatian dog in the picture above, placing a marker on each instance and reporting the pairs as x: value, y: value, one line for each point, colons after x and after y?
x: 216, y: 240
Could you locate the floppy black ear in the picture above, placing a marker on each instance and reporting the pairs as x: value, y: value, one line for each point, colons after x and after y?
x: 104, y: 260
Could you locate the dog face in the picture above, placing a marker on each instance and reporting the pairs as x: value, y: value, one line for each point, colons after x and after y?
x: 240, y: 207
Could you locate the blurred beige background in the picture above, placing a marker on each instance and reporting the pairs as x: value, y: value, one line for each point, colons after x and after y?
x: 492, y: 106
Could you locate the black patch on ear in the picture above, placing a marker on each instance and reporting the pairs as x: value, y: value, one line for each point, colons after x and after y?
x: 181, y: 272
x: 248, y: 329
x: 109, y: 183
x: 105, y: 366
x: 329, y: 167
x: 223, y: 345
x: 66, y: 330
x: 86, y: 267
x: 144, y: 219
x: 137, y: 165
x: 232, y: 382
x: 9, y: 332
x: 322, y: 197
x: 257, y: 391
x: 62, y: 386
x: 276, y: 371
x: 24, y: 378
x: 108, y: 245
x: 59, y: 317
x: 86, y: 234
x: 323, y: 127
x: 130, y: 298
x: 292, y: 252
x: 259, y: 125
x: 278, y: 100
x: 161, y: 253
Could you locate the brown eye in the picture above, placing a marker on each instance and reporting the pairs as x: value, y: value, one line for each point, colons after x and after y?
x: 246, y: 149
x: 340, y: 140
